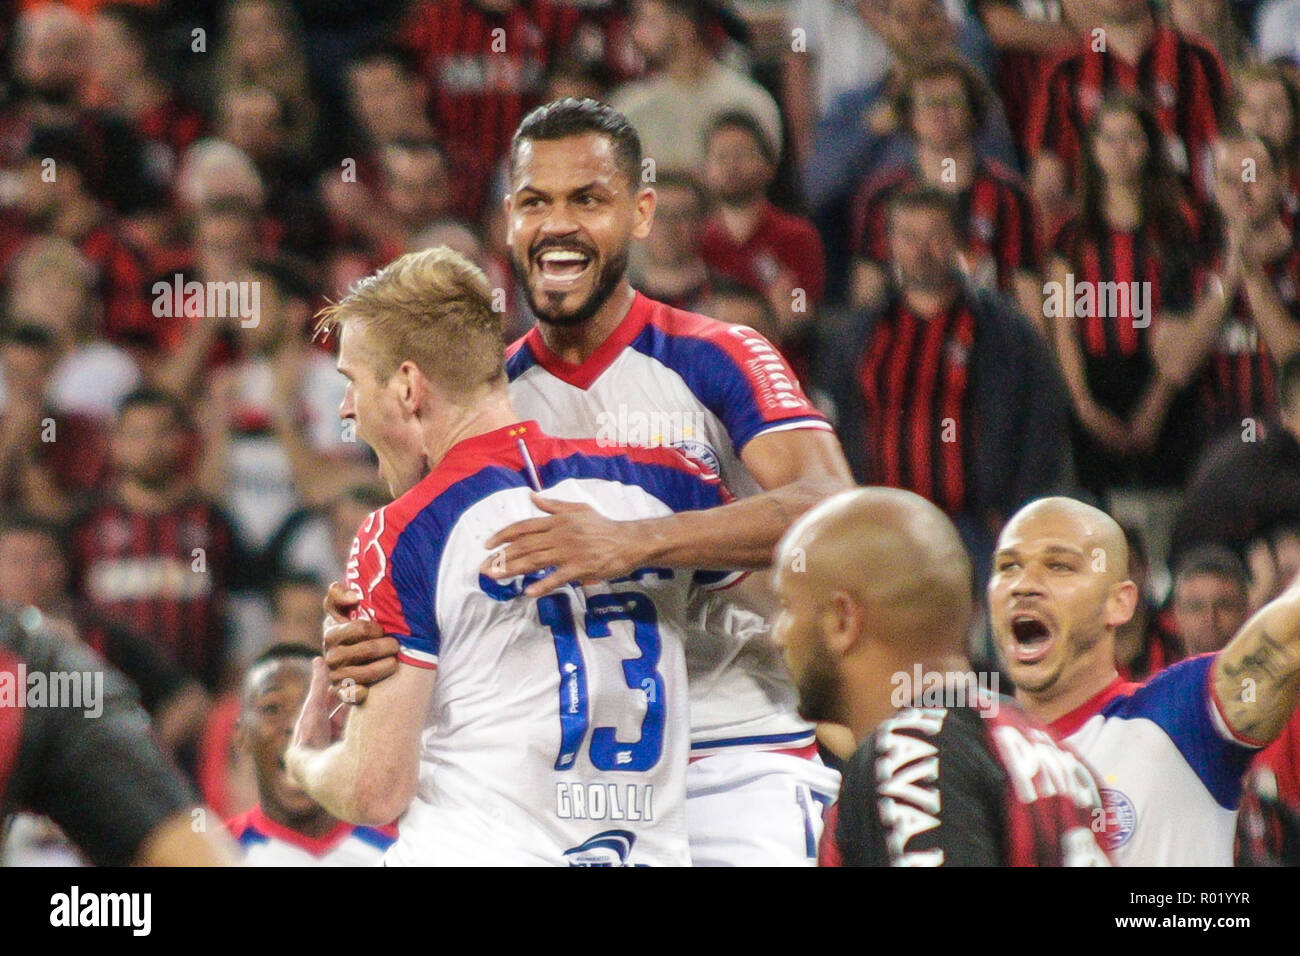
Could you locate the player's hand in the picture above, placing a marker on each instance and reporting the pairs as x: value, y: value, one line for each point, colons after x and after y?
x: 574, y: 542
x: 356, y: 652
x: 314, y: 729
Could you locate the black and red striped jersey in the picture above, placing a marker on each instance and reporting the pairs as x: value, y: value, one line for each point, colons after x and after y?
x: 966, y: 786
x: 164, y: 576
x: 486, y: 70
x: 914, y: 377
x: 1240, y: 378
x: 995, y: 209
x: 1181, y: 77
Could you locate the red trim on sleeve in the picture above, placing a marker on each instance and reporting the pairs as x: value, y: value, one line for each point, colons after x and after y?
x: 1212, y: 691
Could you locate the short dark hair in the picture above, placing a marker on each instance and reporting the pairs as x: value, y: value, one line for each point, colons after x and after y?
x: 574, y: 117
x: 1215, y: 560
x: 284, y: 651
x: 746, y: 123
x: 977, y: 92
x: 384, y: 49
x: 64, y: 144
x: 684, y: 180
x: 154, y: 398
x: 927, y: 197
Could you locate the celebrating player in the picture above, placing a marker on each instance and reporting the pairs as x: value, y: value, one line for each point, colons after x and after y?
x: 1171, y: 752
x: 875, y: 589
x: 606, y: 362
x: 518, y: 731
x: 288, y: 827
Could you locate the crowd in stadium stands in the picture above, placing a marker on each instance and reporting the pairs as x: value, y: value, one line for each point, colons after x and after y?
x: 1012, y: 247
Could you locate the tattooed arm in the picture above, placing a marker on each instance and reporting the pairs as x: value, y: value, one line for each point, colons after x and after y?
x: 1257, y: 676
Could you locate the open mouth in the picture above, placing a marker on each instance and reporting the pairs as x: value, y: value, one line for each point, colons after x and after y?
x: 562, y: 267
x: 1033, y: 638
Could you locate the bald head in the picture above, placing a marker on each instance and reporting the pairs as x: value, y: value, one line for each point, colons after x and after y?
x: 1096, y: 533
x: 892, y: 552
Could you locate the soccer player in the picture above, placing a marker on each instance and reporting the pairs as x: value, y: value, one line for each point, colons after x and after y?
x: 287, y: 827
x: 515, y: 731
x: 875, y: 589
x: 95, y: 770
x: 606, y: 362
x: 1171, y: 752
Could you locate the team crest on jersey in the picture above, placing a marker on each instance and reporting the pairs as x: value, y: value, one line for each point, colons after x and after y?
x: 1165, y: 95
x: 1121, y: 818
x: 701, y: 454
x: 610, y: 848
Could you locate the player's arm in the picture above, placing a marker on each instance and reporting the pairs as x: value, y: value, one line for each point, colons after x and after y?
x: 1257, y: 676
x: 369, y: 775
x: 797, y: 468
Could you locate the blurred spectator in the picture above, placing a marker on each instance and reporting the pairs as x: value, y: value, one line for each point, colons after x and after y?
x: 1246, y: 315
x: 481, y: 83
x: 1182, y: 78
x: 674, y: 269
x: 945, y: 390
x: 747, y: 238
x: 127, y: 75
x: 255, y: 119
x: 1135, y: 234
x: 1212, y: 21
x: 1242, y: 489
x: 1267, y: 103
x: 152, y: 553
x: 841, y: 50
x: 318, y: 541
x: 296, y: 602
x: 688, y: 88
x: 1210, y: 598
x: 50, y: 69
x: 287, y: 827
x: 262, y: 46
x: 34, y: 573
x: 1027, y: 34
x: 55, y: 199
x: 1145, y: 644
x: 738, y: 304
x: 862, y: 132
x: 53, y: 287
x: 272, y: 439
x: 50, y: 462
x: 413, y: 190
x: 942, y: 105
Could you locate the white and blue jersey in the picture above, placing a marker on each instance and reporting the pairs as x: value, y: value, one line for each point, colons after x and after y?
x: 264, y: 842
x: 1169, y: 765
x: 557, y: 732
x: 669, y: 377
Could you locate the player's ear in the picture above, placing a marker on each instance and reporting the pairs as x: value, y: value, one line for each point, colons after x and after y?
x: 645, y: 212
x: 841, y: 623
x: 1121, y: 603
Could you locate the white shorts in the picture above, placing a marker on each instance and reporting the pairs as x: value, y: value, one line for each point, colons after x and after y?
x: 757, y: 808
